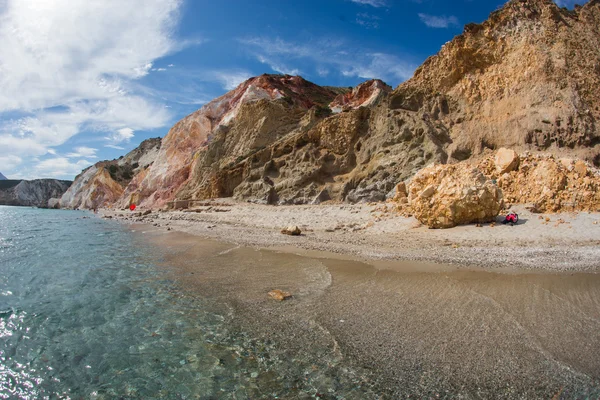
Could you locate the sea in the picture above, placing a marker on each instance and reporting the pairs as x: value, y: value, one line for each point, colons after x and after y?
x: 92, y: 309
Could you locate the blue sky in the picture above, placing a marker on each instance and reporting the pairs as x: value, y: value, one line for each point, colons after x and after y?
x: 87, y: 80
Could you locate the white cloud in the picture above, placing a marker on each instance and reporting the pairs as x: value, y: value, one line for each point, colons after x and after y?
x: 69, y: 66
x: 329, y: 55
x: 9, y: 162
x: 83, y: 152
x: 60, y: 167
x: 231, y: 79
x: 373, y: 3
x: 278, y: 66
x: 112, y: 146
x: 441, y: 21
x: 120, y: 135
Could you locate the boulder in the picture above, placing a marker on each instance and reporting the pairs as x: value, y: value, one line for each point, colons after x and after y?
x: 54, y: 203
x: 279, y: 295
x: 444, y: 196
x: 291, y: 230
x: 506, y: 160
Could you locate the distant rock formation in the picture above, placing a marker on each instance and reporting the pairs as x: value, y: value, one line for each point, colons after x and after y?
x: 525, y: 79
x: 31, y: 193
x: 103, y: 184
x: 2, y: 177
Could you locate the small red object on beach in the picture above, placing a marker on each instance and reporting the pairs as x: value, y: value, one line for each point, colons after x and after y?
x: 132, y: 207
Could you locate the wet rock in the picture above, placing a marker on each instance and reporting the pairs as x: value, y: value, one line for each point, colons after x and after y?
x: 444, y: 196
x: 279, y: 295
x: 292, y: 230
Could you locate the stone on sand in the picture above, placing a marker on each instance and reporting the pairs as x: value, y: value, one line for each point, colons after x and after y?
x: 291, y: 230
x: 279, y: 295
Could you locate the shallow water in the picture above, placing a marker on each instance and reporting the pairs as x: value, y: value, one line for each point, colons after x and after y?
x: 88, y: 310
x: 94, y: 309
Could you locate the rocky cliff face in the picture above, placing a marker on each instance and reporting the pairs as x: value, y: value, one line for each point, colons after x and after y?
x: 32, y: 193
x: 103, y: 184
x: 525, y: 79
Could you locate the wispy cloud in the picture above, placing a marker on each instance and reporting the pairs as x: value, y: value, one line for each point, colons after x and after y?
x: 59, y: 167
x: 372, y: 3
x: 83, y: 152
x: 120, y: 136
x: 329, y: 55
x: 112, y: 146
x: 231, y: 79
x: 62, y: 85
x: 367, y: 20
x: 441, y: 21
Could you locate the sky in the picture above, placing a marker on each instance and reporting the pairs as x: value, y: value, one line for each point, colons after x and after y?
x: 88, y: 80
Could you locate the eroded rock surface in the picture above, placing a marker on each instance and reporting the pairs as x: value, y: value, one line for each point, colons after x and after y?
x: 444, y: 196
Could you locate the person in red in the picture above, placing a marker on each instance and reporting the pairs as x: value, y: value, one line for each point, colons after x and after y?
x: 511, y: 218
x: 132, y: 207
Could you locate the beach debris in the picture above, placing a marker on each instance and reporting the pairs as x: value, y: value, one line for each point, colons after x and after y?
x: 279, y: 295
x: 291, y: 230
x: 444, y: 196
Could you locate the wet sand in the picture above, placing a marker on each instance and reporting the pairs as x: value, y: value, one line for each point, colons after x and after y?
x: 394, y: 330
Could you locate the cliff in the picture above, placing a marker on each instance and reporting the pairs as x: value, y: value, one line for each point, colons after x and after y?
x: 2, y: 177
x: 103, y: 184
x: 525, y: 79
x: 31, y: 193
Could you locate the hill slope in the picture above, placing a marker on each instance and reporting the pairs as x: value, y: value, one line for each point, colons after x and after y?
x: 526, y: 79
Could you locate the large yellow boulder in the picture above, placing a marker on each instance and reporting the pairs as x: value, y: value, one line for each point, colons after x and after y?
x: 444, y: 196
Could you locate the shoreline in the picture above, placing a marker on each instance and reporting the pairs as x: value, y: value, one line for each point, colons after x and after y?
x: 566, y: 242
x: 391, y: 328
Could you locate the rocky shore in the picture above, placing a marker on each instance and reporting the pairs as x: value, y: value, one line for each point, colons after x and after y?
x: 376, y: 231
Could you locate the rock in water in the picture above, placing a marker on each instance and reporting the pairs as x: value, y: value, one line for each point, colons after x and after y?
x: 444, y: 196
x: 506, y: 160
x: 279, y: 295
x: 291, y: 230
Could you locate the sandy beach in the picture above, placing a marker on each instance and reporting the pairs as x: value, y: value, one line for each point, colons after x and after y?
x: 395, y: 329
x: 555, y: 242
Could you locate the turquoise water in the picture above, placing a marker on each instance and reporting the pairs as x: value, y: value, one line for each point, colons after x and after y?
x: 87, y: 311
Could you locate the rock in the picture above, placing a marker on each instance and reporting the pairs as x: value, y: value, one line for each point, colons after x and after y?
x: 279, y: 295
x: 506, y: 160
x: 444, y: 196
x: 580, y: 168
x: 401, y: 192
x: 291, y: 230
x: 54, y: 203
x: 37, y: 192
x: 147, y: 212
